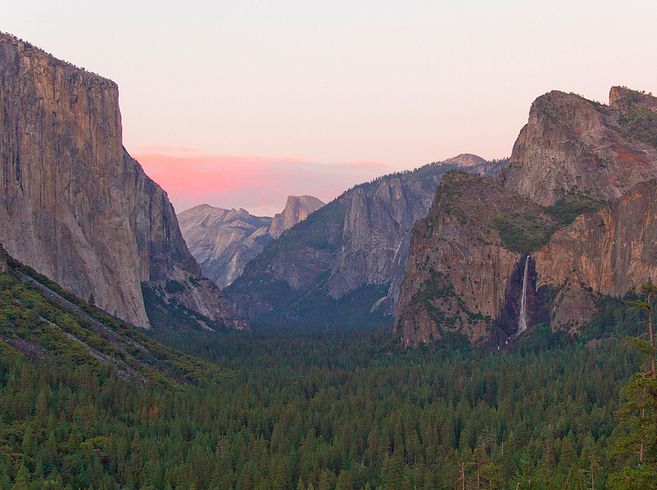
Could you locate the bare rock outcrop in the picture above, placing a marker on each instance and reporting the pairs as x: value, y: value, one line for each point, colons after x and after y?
x: 74, y: 205
x: 343, y: 265
x: 297, y: 209
x: 223, y: 240
x: 574, y: 145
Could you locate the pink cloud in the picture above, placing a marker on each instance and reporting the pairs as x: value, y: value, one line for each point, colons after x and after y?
x: 257, y: 184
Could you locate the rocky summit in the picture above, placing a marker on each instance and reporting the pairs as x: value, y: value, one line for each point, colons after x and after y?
x: 77, y: 208
x: 223, y: 240
x: 297, y: 209
x: 569, y: 221
x: 576, y: 146
x: 344, y: 263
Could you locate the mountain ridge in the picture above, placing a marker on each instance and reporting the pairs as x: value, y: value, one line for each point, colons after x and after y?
x: 223, y: 240
x: 344, y: 261
x: 586, y: 175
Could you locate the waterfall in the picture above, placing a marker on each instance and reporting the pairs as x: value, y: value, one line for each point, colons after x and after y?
x: 522, y: 318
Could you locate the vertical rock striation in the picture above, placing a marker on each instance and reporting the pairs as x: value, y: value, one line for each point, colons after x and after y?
x: 579, y: 195
x: 223, y: 241
x: 344, y: 263
x: 74, y: 205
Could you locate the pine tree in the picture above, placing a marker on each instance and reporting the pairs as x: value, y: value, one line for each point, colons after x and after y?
x: 634, y: 443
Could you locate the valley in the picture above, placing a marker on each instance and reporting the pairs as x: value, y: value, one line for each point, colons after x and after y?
x: 469, y: 323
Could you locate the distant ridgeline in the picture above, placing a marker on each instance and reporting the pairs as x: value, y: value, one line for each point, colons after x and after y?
x: 572, y: 218
x: 343, y: 264
x: 223, y: 240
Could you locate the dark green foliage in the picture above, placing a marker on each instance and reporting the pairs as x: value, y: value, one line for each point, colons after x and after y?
x: 633, y: 448
x: 641, y: 123
x: 316, y: 308
x: 174, y: 286
x: 46, y: 329
x: 569, y: 207
x: 527, y: 233
x: 524, y: 233
x: 306, y: 408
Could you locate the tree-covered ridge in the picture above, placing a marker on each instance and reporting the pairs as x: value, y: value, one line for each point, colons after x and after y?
x: 528, y: 232
x: 43, y: 323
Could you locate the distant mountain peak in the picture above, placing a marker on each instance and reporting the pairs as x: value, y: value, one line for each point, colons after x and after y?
x: 297, y: 208
x: 466, y: 160
x: 224, y: 240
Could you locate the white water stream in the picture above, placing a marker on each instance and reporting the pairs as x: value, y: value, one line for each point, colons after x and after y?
x: 522, y: 318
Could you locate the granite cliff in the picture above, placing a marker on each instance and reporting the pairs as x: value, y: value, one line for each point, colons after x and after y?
x: 223, y: 240
x: 570, y: 219
x: 76, y: 207
x: 297, y: 208
x: 344, y: 263
x: 465, y: 259
x: 608, y: 252
x: 573, y: 145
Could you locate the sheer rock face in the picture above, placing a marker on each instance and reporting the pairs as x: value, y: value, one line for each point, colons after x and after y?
x: 223, y: 241
x: 608, y: 252
x: 574, y: 145
x: 464, y: 270
x: 297, y: 208
x: 3, y: 259
x: 75, y: 206
x: 460, y: 276
x: 345, y: 262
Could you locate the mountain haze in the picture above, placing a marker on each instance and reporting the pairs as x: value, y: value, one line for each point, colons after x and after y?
x: 223, y: 240
x: 343, y: 264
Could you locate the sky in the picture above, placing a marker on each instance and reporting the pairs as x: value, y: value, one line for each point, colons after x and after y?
x: 240, y: 103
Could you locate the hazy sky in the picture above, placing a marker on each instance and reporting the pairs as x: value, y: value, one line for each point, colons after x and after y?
x: 320, y: 95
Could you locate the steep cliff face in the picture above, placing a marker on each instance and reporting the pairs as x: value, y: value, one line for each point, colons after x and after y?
x: 607, y: 252
x: 571, y: 220
x: 223, y: 241
x: 3, y: 259
x: 343, y: 264
x: 574, y: 145
x: 75, y: 206
x: 465, y: 270
x: 297, y: 208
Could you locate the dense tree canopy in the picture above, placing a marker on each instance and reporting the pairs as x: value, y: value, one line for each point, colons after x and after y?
x: 331, y: 409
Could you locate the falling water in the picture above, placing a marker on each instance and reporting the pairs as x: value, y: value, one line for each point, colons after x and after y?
x: 522, y: 318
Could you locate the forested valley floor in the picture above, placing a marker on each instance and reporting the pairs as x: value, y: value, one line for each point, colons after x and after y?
x: 314, y: 409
